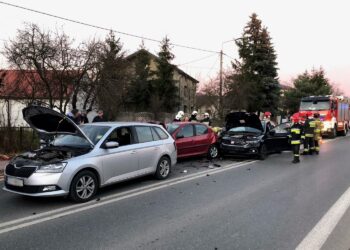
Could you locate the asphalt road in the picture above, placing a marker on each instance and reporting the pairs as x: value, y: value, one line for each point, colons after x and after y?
x: 269, y: 204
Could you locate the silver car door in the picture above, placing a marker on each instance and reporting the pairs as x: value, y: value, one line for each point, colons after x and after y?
x: 149, y: 148
x: 123, y: 159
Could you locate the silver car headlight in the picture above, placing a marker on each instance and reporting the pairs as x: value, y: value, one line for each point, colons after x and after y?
x: 52, y: 168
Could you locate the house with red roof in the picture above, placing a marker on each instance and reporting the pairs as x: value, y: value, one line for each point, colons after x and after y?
x: 18, y: 89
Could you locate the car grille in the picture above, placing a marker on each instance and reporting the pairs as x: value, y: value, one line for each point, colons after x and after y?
x: 238, y: 142
x: 24, y: 172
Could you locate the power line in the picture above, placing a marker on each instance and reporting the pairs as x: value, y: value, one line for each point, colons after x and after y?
x: 103, y: 28
x: 196, y: 60
x: 229, y: 56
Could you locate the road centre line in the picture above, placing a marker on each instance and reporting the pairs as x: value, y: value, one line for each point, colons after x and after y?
x: 316, y: 238
x: 50, y: 215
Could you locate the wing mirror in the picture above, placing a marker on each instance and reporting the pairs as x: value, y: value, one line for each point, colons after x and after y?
x: 111, y: 144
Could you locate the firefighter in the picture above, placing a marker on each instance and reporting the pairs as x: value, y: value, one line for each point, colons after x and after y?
x: 309, y: 130
x: 206, y: 119
x: 318, y: 129
x: 177, y: 118
x: 296, y: 133
x: 193, y: 117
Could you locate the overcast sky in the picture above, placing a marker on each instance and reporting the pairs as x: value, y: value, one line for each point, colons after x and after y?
x: 306, y: 34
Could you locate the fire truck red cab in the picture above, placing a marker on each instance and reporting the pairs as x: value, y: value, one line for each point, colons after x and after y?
x: 333, y: 110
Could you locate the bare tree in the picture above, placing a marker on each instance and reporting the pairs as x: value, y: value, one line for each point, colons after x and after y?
x: 57, y: 69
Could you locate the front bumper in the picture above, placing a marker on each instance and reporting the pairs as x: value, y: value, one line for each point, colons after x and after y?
x: 40, y: 194
x: 227, y: 149
x: 36, y: 184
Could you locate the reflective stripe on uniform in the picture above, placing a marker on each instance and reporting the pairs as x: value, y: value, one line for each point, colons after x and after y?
x: 312, y: 148
x: 306, y: 150
x: 312, y: 124
x: 296, y: 155
x: 317, y: 148
x: 303, y: 137
x: 295, y: 130
x: 309, y: 135
x: 317, y: 130
x: 295, y: 142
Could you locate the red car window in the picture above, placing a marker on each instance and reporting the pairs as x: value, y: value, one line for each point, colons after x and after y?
x: 201, y: 129
x: 186, y: 131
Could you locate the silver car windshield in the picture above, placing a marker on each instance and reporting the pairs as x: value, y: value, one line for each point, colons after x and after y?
x: 95, y: 133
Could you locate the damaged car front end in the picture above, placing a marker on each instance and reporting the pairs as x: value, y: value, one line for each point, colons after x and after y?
x: 48, y: 170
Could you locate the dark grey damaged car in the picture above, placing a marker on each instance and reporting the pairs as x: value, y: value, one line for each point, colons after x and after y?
x: 246, y: 135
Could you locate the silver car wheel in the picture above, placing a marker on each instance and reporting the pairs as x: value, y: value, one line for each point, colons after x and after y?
x: 85, y: 187
x: 164, y: 168
x: 213, y: 152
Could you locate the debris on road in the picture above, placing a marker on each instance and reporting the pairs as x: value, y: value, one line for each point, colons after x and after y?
x: 183, y: 171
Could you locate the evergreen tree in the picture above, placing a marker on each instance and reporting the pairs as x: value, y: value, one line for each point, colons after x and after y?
x: 306, y: 84
x: 140, y: 88
x: 256, y: 72
x: 113, y: 77
x: 163, y: 88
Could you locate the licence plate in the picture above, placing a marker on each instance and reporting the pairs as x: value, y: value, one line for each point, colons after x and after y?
x: 14, y: 181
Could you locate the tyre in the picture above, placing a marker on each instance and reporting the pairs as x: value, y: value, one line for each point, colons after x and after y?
x: 213, y: 151
x: 344, y: 132
x: 83, y: 187
x: 333, y: 132
x: 262, y: 153
x: 163, y: 168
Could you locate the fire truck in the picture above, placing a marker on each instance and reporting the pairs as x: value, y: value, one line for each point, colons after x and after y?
x: 334, y: 112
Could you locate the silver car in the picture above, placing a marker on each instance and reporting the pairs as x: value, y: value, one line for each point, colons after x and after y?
x: 81, y: 159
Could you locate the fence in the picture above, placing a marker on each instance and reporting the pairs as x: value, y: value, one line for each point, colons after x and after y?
x: 17, y: 139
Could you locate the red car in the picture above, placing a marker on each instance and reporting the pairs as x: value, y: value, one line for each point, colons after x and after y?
x: 193, y: 139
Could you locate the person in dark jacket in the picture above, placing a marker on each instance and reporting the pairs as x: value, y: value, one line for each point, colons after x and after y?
x: 83, y: 117
x: 74, y: 116
x: 296, y: 132
x: 99, y: 117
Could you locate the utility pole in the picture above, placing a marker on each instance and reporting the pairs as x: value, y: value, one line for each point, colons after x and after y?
x: 220, y: 86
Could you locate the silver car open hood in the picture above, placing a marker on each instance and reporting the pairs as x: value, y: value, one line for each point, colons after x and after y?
x: 50, y: 122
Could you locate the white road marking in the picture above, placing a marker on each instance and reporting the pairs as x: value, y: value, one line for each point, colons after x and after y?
x: 319, y: 234
x: 57, y: 213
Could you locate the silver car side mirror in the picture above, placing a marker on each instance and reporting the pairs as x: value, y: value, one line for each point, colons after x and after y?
x: 111, y: 144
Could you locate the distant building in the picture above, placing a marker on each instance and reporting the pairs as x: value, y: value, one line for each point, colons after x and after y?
x: 186, y: 84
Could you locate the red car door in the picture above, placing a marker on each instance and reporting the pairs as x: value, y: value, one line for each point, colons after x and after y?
x: 202, y: 139
x: 184, y: 141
